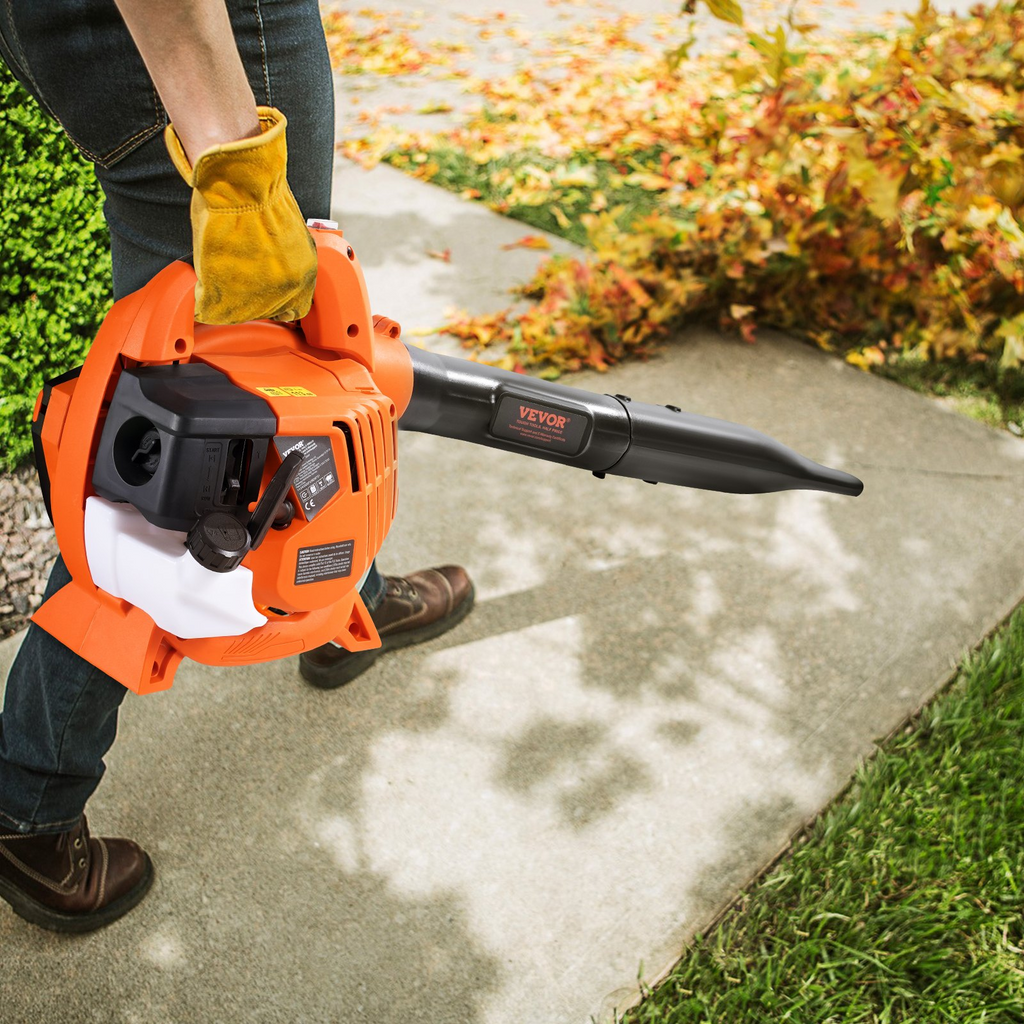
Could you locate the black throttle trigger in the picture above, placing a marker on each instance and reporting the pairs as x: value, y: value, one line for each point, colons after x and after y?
x: 274, y: 497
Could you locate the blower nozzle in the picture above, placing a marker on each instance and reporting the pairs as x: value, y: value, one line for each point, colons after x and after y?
x: 607, y: 434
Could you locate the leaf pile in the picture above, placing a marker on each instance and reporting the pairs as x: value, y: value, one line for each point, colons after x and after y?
x: 383, y: 43
x: 865, y: 191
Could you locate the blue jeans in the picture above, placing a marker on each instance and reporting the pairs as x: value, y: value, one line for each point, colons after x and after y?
x: 78, y: 60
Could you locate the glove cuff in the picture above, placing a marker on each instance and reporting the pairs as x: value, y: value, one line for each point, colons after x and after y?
x: 177, y: 153
x: 239, y: 174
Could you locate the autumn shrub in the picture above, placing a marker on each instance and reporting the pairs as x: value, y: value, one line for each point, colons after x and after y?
x: 864, y: 191
x: 54, y: 261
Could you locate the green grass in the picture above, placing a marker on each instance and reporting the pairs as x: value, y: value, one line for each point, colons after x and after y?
x: 457, y: 172
x: 978, y: 390
x: 904, y: 902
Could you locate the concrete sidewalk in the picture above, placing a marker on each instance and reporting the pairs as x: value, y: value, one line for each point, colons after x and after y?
x: 657, y: 687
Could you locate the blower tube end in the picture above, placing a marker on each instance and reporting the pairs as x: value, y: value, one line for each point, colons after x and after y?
x: 676, y: 447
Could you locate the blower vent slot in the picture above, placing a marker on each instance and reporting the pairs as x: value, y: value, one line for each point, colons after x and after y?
x: 350, y: 445
x: 371, y: 456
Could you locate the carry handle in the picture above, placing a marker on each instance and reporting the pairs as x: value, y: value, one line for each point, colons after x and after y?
x: 339, y: 320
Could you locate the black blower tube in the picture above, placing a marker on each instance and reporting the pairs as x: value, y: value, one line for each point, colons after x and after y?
x: 604, y: 433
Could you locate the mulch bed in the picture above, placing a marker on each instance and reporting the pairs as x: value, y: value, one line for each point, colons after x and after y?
x: 27, y: 548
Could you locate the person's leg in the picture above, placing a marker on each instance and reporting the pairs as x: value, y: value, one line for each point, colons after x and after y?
x: 59, y: 719
x: 60, y: 713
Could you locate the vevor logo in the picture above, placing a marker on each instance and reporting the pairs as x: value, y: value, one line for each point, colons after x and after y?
x: 527, y: 412
x: 553, y: 427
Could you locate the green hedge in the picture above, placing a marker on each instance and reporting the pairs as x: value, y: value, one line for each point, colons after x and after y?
x: 54, y: 261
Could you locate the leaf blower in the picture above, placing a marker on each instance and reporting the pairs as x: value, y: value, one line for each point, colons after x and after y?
x: 218, y: 492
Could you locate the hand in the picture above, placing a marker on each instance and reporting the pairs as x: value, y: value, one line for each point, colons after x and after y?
x: 254, y: 257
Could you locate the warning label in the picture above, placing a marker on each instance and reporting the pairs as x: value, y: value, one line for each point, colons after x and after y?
x: 539, y: 425
x: 317, y: 481
x: 324, y: 562
x: 288, y: 391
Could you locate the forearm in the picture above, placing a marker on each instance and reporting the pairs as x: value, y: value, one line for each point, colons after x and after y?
x: 190, y: 52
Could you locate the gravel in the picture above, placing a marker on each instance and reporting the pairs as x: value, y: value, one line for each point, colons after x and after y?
x: 27, y: 548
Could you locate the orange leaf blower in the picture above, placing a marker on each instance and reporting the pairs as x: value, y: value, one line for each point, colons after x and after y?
x: 219, y: 492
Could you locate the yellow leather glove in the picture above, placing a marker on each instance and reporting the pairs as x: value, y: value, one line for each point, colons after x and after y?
x: 254, y: 257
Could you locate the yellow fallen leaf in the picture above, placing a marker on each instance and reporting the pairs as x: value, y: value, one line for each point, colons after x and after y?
x: 880, y: 185
x: 529, y: 242
x: 726, y: 10
x: 559, y: 214
x: 649, y: 182
x: 631, y: 285
x: 866, y: 358
x: 579, y: 176
x: 1012, y: 333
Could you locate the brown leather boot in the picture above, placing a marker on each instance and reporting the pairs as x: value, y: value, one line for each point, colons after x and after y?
x: 415, y: 608
x: 70, y: 881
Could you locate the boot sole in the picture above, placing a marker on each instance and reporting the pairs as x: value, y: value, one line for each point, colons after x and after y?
x: 330, y: 677
x: 55, y: 921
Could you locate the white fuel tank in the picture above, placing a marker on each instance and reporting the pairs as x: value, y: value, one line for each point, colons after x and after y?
x: 136, y: 561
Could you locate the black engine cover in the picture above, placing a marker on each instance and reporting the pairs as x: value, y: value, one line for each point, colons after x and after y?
x: 182, y: 440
